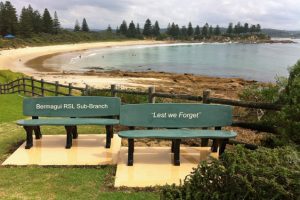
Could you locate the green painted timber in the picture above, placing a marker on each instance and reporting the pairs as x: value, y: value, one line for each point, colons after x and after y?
x: 176, y: 115
x: 86, y: 106
x: 177, y: 134
x: 67, y: 122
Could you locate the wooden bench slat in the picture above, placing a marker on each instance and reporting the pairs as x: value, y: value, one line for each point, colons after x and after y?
x: 177, y: 134
x: 175, y: 115
x: 83, y: 106
x: 67, y: 122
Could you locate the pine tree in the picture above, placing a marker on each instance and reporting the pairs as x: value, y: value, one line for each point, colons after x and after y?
x: 258, y: 28
x: 217, y: 30
x: 190, y: 30
x: 210, y: 31
x: 77, y: 26
x: 246, y: 28
x: 230, y: 28
x: 205, y: 30
x: 156, y: 29
x: 8, y: 19
x: 26, y: 23
x: 123, y: 28
x: 138, y: 30
x: 47, y: 22
x: 109, y: 30
x: 197, y: 31
x: 253, y: 29
x: 37, y: 22
x: 183, y: 32
x: 168, y: 29
x: 84, y: 26
x: 147, y: 28
x: 131, y: 32
x: 56, y: 24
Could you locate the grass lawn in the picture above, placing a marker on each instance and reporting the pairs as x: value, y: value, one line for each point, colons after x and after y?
x: 35, y: 182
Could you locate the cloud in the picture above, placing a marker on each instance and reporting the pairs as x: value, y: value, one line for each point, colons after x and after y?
x: 100, y: 13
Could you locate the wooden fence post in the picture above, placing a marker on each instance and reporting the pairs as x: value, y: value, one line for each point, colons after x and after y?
x: 70, y: 89
x: 32, y: 86
x: 206, y: 95
x: 56, y: 88
x: 19, y: 86
x: 24, y: 85
x: 42, y: 88
x: 0, y: 88
x: 86, y: 90
x: 151, y: 97
x: 12, y: 86
x: 113, y: 89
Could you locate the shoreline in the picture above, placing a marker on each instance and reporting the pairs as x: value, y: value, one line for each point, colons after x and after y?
x: 16, y: 60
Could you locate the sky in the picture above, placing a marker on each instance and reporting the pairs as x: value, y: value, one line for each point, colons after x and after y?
x: 279, y: 14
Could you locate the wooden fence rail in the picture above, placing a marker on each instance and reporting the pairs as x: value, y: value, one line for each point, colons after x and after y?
x: 34, y: 87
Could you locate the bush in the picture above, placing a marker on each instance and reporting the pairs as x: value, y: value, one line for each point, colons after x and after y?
x: 285, y: 92
x: 242, y: 174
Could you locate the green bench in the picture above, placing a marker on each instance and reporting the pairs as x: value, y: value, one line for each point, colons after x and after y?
x: 176, y: 122
x: 69, y: 112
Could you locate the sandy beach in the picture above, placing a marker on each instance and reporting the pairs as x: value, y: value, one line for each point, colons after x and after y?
x: 15, y: 59
x: 18, y: 59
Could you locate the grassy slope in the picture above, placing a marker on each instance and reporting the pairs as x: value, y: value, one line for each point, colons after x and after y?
x: 51, y: 182
x: 7, y: 76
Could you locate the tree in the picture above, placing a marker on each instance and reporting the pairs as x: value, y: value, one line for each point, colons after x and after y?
x: 205, y: 30
x: 183, y: 32
x: 47, y: 22
x: 217, y: 30
x: 77, y: 26
x: 131, y: 32
x: 246, y: 28
x: 253, y: 29
x: 26, y: 21
x: 258, y: 28
x: 210, y: 31
x: 8, y: 19
x: 37, y: 22
x: 123, y: 28
x: 197, y: 32
x: 56, y: 24
x: 109, y: 30
x: 138, y: 30
x: 147, y: 28
x: 84, y: 26
x: 190, y: 30
x: 169, y: 29
x: 156, y: 29
x: 230, y: 28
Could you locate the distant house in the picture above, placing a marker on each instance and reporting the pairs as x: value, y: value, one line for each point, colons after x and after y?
x: 9, y: 36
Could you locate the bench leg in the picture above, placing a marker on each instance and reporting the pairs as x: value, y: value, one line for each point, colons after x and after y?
x: 29, y: 139
x: 74, y: 132
x: 216, y: 145
x: 177, y: 152
x: 204, y: 142
x: 223, y: 146
x: 172, y: 146
x: 37, y: 132
x: 111, y: 131
x: 108, y: 136
x: 69, y: 130
x: 130, y: 152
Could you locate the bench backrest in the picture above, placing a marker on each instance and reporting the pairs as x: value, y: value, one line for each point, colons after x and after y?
x: 175, y: 115
x: 86, y: 106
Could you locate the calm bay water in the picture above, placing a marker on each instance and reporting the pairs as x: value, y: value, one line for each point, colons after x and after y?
x: 262, y: 62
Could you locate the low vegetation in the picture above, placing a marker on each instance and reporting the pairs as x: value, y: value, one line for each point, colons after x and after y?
x: 243, y: 174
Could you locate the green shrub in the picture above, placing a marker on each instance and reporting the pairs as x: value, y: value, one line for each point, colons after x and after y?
x: 242, y: 174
